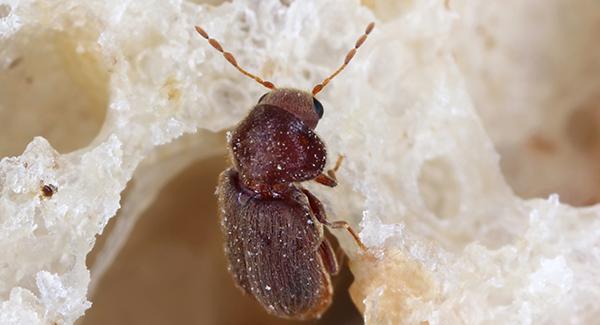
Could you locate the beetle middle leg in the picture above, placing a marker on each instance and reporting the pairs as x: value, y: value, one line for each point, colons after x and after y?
x: 319, y: 212
x: 330, y: 179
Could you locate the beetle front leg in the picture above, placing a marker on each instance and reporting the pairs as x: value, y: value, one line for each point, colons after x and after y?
x: 326, y: 180
x: 319, y: 212
x: 330, y: 178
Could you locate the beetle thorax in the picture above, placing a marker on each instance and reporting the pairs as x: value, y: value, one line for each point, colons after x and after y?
x: 272, y: 148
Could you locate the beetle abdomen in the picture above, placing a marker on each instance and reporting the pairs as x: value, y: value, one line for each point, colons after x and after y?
x: 272, y: 249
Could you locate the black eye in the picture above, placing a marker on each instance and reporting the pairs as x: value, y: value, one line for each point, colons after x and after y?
x: 318, y: 107
x: 262, y: 97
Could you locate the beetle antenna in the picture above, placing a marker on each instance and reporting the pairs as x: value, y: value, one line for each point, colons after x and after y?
x: 349, y: 57
x: 229, y: 57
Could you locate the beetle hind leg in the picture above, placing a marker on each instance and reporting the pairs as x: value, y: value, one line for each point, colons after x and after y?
x: 329, y: 258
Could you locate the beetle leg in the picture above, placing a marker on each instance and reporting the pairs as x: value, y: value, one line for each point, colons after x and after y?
x: 329, y: 258
x: 326, y: 180
x: 319, y: 212
x: 316, y: 206
x: 330, y: 179
x: 338, y: 164
x: 345, y: 225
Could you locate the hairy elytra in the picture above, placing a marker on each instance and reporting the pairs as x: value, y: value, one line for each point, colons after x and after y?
x: 273, y: 227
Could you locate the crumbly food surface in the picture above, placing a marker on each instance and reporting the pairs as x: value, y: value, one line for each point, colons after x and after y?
x: 459, y: 121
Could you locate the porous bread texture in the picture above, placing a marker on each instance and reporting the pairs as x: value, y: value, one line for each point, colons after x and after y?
x: 454, y: 243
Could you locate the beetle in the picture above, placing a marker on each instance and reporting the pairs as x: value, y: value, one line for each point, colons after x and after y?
x: 48, y: 190
x: 273, y: 227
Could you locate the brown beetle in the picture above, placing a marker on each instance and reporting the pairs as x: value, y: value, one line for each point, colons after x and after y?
x: 273, y: 227
x: 47, y: 190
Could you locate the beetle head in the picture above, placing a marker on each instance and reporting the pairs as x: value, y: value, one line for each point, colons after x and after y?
x: 300, y: 103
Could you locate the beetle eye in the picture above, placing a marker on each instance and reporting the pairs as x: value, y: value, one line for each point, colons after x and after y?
x: 318, y: 107
x: 262, y: 97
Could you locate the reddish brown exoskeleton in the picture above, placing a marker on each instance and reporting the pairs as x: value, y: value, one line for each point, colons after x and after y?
x: 274, y: 237
x: 47, y: 190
